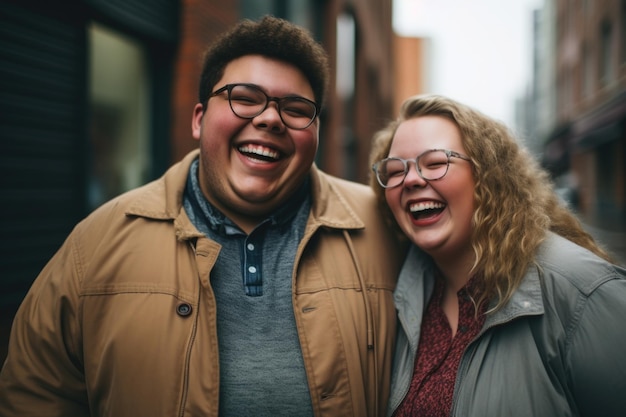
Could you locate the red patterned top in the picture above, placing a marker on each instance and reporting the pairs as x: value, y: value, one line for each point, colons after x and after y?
x: 438, y: 356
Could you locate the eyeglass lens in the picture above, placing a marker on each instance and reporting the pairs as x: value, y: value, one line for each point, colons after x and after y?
x: 432, y: 165
x: 248, y: 101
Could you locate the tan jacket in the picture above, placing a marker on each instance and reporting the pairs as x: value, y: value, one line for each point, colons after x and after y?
x: 121, y: 322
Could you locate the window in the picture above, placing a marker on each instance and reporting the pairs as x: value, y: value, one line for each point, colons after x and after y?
x: 345, y: 76
x: 606, y: 58
x: 623, y: 23
x: 587, y: 75
x: 118, y: 152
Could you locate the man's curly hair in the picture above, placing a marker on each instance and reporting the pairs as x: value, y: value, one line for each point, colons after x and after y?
x: 271, y: 37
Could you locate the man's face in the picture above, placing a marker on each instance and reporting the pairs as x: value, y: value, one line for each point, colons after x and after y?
x: 249, y: 167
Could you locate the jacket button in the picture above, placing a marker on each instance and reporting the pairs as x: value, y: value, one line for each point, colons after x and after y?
x: 183, y: 309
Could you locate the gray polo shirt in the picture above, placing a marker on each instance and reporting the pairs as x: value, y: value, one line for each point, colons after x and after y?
x: 261, y: 366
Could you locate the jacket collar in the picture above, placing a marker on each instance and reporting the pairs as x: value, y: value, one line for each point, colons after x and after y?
x: 329, y: 207
x: 163, y: 200
x: 416, y: 282
x: 526, y: 300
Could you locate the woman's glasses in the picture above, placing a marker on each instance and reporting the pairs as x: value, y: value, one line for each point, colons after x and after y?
x: 431, y: 165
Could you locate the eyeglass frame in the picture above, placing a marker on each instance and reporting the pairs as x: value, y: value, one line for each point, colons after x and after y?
x: 449, y: 153
x: 229, y: 88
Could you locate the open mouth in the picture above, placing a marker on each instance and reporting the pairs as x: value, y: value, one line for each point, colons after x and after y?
x: 260, y: 153
x: 424, y: 210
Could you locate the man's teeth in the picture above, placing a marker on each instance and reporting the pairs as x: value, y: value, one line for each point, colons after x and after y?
x: 259, y: 150
x: 431, y: 205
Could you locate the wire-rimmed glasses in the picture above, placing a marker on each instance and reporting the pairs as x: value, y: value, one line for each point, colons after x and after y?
x: 431, y: 165
x: 249, y: 100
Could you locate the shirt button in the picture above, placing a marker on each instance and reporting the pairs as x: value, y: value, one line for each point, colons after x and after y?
x: 250, y: 246
x: 462, y: 329
x: 252, y: 269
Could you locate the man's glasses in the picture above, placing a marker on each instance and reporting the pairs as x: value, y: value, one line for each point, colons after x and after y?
x: 431, y: 165
x: 248, y: 101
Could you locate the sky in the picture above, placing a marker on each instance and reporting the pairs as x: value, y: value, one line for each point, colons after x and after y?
x: 480, y: 50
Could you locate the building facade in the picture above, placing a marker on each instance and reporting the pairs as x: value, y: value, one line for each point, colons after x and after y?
x: 583, y: 83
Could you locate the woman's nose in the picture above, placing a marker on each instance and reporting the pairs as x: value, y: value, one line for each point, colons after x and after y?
x: 413, y: 177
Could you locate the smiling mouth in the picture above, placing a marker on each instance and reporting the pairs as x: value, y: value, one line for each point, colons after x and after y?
x: 425, y: 210
x: 260, y: 153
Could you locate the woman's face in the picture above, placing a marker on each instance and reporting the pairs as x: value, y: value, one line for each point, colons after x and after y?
x: 436, y: 215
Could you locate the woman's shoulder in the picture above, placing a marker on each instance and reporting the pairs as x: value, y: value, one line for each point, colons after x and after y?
x: 562, y: 260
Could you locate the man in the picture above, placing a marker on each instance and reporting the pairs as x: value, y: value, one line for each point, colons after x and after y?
x: 243, y: 282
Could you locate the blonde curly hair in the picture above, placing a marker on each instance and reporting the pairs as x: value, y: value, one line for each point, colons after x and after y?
x: 514, y: 197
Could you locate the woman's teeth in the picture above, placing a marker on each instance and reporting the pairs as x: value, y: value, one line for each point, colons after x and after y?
x: 431, y: 205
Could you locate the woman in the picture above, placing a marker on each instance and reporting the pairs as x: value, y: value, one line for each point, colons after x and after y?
x: 514, y: 310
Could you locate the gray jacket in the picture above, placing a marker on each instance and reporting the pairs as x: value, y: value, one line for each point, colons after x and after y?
x: 558, y: 347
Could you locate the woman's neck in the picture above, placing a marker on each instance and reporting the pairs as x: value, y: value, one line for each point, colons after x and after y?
x: 455, y: 269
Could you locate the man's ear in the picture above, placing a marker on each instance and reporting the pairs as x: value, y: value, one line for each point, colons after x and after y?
x: 196, y: 121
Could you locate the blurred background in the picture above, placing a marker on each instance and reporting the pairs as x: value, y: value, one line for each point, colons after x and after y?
x: 96, y: 97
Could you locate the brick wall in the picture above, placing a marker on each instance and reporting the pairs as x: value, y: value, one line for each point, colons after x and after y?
x: 201, y: 21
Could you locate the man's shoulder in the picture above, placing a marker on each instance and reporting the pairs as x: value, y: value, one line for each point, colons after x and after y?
x: 132, y: 199
x: 159, y: 199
